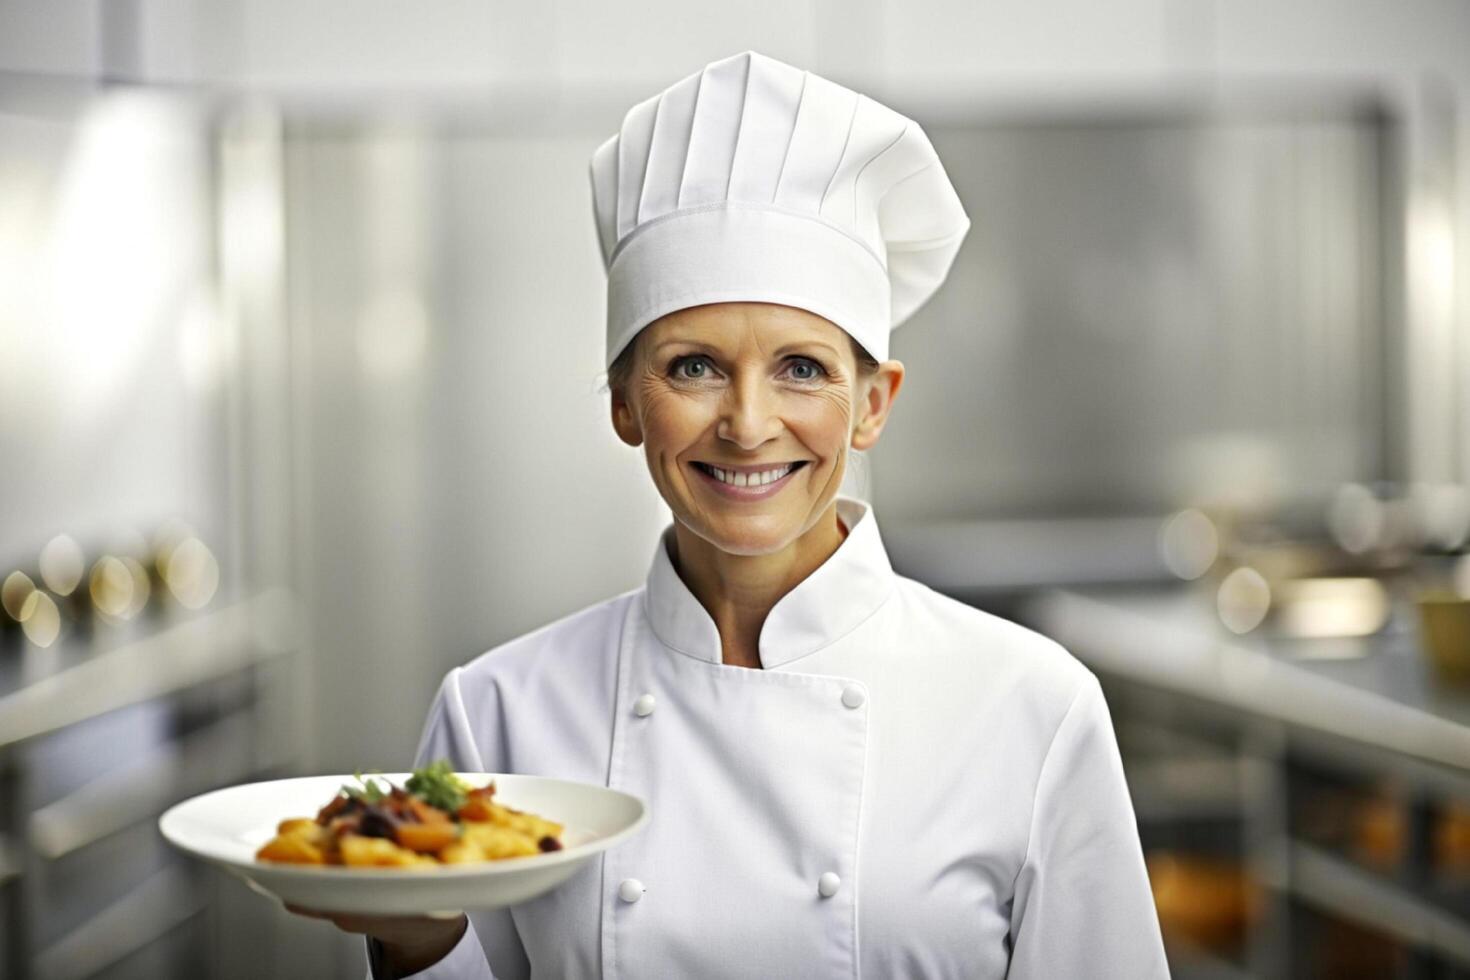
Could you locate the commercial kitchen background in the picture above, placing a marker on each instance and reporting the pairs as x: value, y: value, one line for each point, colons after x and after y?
x: 300, y: 341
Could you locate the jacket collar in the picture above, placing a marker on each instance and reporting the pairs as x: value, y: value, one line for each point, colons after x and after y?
x: 829, y: 603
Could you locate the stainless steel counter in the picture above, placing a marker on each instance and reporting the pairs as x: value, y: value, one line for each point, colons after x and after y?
x: 1377, y: 692
x: 1360, y: 708
x: 95, y: 743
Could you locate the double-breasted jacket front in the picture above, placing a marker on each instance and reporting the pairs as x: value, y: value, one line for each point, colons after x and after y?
x: 911, y: 787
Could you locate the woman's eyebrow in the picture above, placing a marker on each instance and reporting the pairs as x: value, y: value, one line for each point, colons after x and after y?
x: 785, y: 348
x: 685, y: 343
x: 806, y: 344
x: 780, y: 351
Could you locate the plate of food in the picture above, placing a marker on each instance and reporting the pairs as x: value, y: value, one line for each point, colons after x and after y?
x: 429, y: 842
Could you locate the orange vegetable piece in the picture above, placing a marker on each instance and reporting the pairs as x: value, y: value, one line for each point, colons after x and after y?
x: 293, y: 849
x: 428, y: 813
x: 427, y: 836
x: 478, y: 804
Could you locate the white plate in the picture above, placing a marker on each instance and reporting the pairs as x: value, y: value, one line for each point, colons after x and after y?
x: 226, y: 827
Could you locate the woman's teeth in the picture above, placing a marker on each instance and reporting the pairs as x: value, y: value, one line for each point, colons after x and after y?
x: 746, y: 479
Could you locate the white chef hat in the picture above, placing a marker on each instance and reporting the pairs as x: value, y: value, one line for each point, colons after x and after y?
x: 753, y: 180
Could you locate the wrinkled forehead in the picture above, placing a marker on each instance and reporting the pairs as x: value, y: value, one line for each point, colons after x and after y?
x: 732, y: 325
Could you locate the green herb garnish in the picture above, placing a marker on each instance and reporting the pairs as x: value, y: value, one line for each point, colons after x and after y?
x: 437, y: 785
x: 369, y: 792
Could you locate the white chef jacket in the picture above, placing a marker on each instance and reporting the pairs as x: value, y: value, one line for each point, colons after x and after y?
x: 911, y: 787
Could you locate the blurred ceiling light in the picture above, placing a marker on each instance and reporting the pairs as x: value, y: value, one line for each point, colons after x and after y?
x: 121, y: 228
x: 40, y: 619
x: 1325, y: 607
x: 22, y: 216
x: 1189, y: 543
x: 13, y: 594
x: 1431, y: 247
x: 111, y: 587
x: 141, y: 587
x: 252, y: 223
x: 191, y: 573
x: 1243, y: 600
x: 62, y: 564
x: 1356, y: 518
x: 393, y: 333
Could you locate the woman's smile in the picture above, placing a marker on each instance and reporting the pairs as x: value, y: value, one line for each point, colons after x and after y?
x: 747, y: 482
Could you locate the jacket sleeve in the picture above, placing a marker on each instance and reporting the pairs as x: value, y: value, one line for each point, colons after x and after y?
x: 490, y: 948
x: 1082, y: 904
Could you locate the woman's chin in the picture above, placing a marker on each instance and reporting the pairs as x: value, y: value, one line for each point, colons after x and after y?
x: 750, y: 534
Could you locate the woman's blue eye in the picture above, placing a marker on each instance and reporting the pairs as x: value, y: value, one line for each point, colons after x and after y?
x: 691, y: 363
x: 812, y: 368
x: 696, y: 367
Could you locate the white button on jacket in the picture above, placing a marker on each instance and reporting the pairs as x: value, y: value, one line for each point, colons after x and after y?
x: 947, y: 779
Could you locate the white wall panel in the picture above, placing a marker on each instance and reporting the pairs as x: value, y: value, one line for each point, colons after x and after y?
x: 1071, y: 39
x: 646, y: 46
x: 382, y: 46
x: 53, y: 37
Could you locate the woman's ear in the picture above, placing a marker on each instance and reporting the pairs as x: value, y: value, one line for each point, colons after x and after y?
x: 876, y: 403
x: 624, y: 420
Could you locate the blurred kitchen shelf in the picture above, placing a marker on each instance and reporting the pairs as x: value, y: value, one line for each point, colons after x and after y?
x: 1284, y: 715
x: 194, y: 651
x: 1336, y: 885
x: 209, y: 675
x: 1164, y: 640
x: 218, y: 754
x: 165, y: 900
x: 1190, y: 962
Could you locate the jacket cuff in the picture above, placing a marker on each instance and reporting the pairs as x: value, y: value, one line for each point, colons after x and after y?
x: 466, y: 961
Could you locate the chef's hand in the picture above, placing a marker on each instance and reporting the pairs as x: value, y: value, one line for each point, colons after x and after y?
x: 410, y: 942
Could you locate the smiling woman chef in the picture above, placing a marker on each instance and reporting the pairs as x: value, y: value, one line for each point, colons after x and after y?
x: 849, y: 775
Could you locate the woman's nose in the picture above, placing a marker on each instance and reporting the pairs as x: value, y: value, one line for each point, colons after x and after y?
x: 748, y: 414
